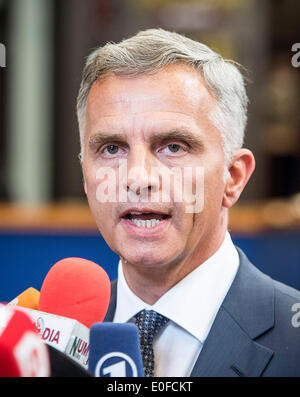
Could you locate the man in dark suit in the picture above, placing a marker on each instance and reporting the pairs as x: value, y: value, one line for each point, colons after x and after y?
x: 162, y: 122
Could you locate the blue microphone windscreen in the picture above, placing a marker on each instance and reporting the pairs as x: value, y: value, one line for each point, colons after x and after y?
x: 115, y: 350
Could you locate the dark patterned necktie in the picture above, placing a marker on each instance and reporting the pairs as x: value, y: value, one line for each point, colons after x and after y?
x: 149, y: 323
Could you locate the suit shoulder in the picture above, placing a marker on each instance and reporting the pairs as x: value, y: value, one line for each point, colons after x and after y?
x: 285, y: 292
x: 283, y: 338
x: 286, y: 302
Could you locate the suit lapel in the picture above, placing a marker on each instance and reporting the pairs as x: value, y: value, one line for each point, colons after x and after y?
x: 112, y: 303
x: 247, y: 312
x: 228, y: 351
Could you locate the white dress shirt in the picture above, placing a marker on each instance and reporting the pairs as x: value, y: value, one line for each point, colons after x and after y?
x: 191, y: 305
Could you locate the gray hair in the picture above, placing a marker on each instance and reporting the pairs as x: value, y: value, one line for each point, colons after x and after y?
x: 149, y: 51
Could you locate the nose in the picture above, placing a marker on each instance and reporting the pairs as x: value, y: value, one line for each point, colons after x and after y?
x: 142, y: 177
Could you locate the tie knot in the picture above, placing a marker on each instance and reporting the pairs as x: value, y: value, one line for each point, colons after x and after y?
x: 149, y: 323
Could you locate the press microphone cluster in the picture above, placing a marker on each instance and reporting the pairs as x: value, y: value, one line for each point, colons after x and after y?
x: 61, y: 334
x: 72, y: 304
x: 74, y: 295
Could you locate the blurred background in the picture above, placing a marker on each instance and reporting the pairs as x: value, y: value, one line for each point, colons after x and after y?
x: 44, y: 215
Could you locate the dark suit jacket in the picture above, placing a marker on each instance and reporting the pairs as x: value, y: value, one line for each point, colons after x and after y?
x: 253, y: 333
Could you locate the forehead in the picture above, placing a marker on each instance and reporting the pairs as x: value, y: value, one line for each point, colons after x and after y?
x: 178, y: 83
x: 175, y: 92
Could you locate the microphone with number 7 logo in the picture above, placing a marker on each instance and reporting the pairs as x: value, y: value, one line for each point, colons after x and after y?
x: 115, y: 350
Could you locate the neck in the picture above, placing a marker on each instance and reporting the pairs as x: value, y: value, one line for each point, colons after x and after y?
x: 150, y: 283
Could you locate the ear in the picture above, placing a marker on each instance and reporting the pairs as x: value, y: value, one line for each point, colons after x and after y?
x: 240, y: 170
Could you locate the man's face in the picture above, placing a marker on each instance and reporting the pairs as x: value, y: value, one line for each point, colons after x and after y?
x: 142, y: 129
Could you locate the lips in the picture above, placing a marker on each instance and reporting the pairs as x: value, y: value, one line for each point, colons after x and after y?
x: 145, y: 218
x: 145, y: 214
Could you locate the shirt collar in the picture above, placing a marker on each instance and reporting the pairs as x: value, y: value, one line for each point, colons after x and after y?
x: 195, y: 300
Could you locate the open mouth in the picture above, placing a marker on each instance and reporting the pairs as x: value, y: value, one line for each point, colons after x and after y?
x: 145, y: 219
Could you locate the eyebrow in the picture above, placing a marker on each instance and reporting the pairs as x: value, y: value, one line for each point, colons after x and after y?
x: 194, y: 141
x: 190, y: 138
x: 102, y: 138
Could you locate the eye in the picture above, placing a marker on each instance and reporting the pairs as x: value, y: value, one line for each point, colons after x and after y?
x: 174, y: 147
x: 112, y: 149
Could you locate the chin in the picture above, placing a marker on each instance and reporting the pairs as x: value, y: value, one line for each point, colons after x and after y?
x: 144, y: 260
x: 150, y: 259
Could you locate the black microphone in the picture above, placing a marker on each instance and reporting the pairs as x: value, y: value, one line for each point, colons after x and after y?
x: 63, y: 366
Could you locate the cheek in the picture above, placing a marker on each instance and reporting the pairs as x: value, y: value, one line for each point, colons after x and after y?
x: 103, y: 216
x: 190, y: 189
x: 213, y: 194
x: 97, y: 182
x: 214, y: 172
x: 102, y: 211
x: 89, y: 176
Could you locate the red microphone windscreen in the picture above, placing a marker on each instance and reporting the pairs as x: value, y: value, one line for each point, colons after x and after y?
x: 22, y: 352
x: 76, y: 288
